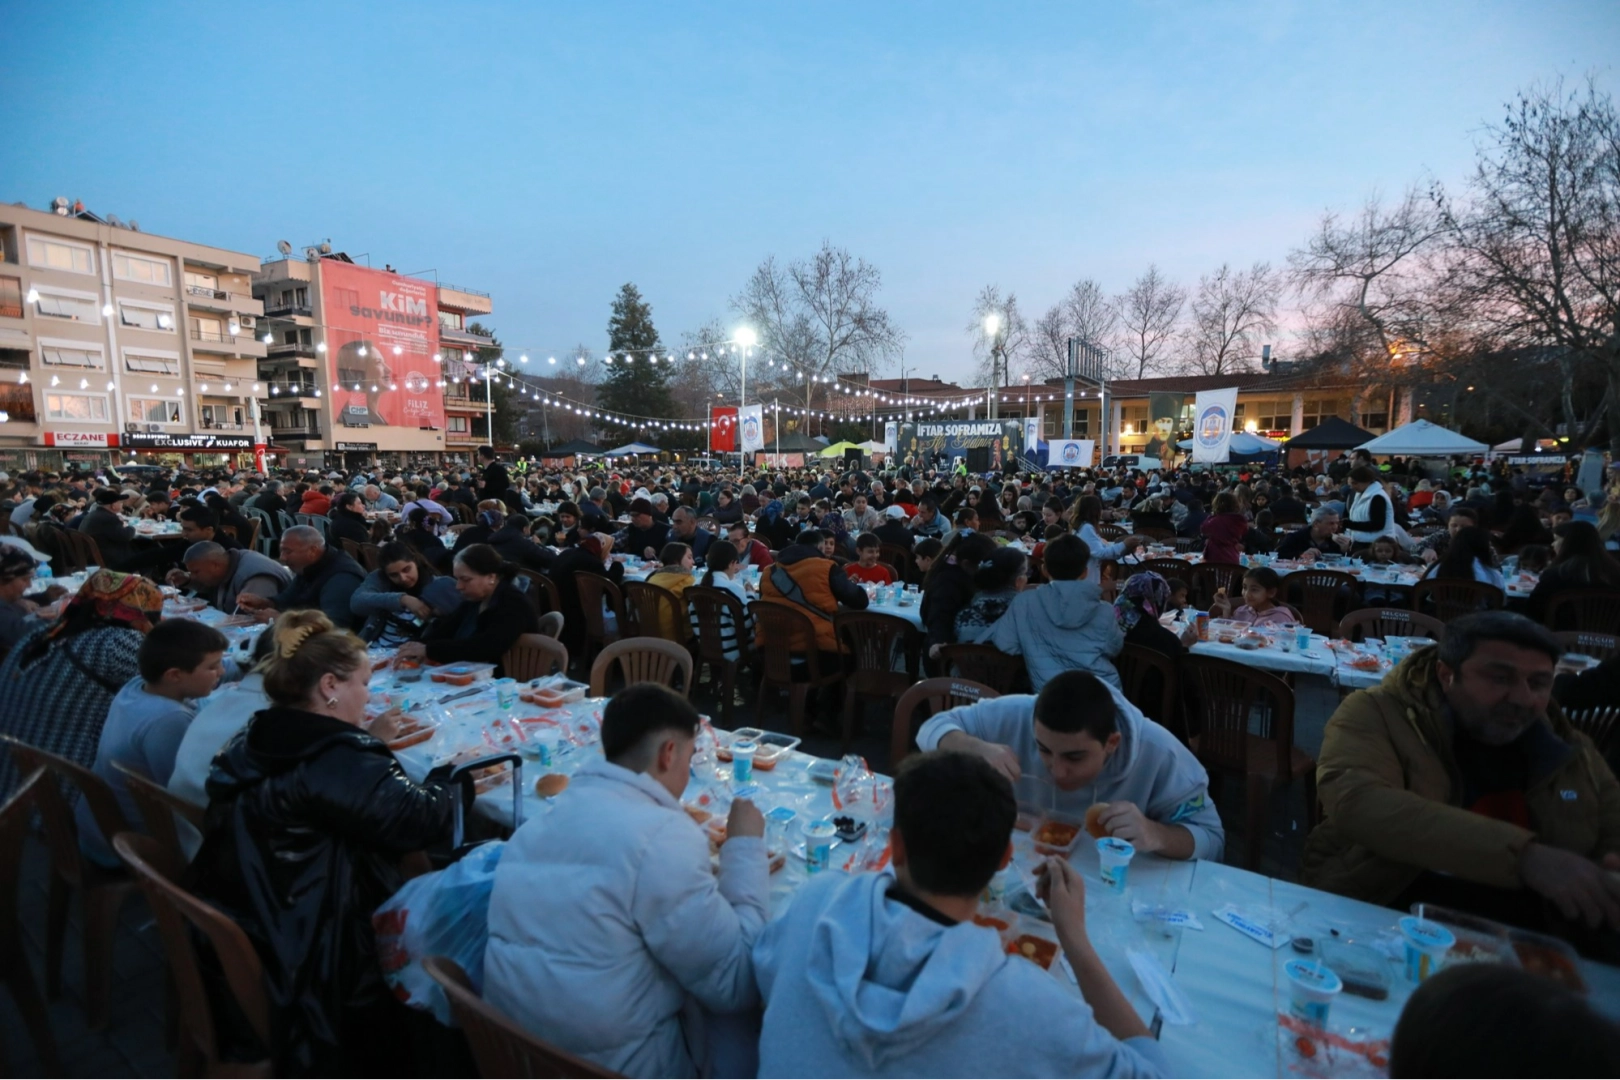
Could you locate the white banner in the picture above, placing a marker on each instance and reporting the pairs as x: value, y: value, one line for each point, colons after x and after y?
x: 1212, y: 425
x: 891, y: 434
x: 752, y: 422
x: 1071, y: 453
x: 1032, y: 435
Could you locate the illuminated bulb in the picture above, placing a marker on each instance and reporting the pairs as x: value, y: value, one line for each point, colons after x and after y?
x: 227, y: 387
x: 524, y: 358
x: 398, y: 350
x: 362, y: 350
x: 55, y: 381
x: 255, y: 388
x: 109, y: 384
x: 437, y: 359
x: 33, y: 296
x: 107, y: 310
x: 373, y: 388
x: 154, y: 386
x: 84, y: 384
x: 322, y: 348
x: 317, y: 391
x: 203, y: 387
x: 233, y: 328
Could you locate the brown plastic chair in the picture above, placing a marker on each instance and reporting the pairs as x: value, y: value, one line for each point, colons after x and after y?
x: 103, y: 890
x: 1207, y: 577
x: 178, y: 913
x: 1157, y: 533
x: 159, y: 808
x: 713, y: 608
x: 643, y: 660
x: 650, y: 608
x: 899, y: 558
x: 985, y: 664
x: 532, y: 656
x: 352, y: 549
x: 370, y: 556
x: 873, y: 642
x: 1322, y: 595
x: 251, y: 541
x: 1235, y: 700
x: 788, y: 659
x: 1148, y: 679
x: 499, y: 1046
x: 1593, y: 610
x: 15, y: 971
x: 1390, y: 622
x: 542, y: 593
x: 1602, y: 646
x: 1112, y: 533
x: 1453, y: 598
x: 938, y: 695
x: 1602, y: 726
x: 1165, y: 568
x: 594, y: 591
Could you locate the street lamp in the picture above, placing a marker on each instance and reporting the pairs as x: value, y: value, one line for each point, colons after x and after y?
x: 744, y: 336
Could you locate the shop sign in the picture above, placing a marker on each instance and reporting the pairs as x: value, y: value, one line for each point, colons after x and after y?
x: 80, y: 438
x: 356, y: 447
x: 142, y: 440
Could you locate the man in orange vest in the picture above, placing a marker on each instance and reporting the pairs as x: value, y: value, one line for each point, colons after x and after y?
x: 813, y: 585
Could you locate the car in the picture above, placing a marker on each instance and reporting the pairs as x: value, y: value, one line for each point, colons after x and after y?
x: 1131, y: 461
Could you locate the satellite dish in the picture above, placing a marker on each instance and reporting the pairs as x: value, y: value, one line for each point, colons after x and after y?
x: 134, y: 225
x: 326, y: 248
x: 284, y: 247
x: 112, y: 219
x: 311, y: 254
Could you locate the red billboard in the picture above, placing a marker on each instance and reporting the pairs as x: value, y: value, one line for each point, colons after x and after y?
x: 723, y: 427
x: 382, y: 332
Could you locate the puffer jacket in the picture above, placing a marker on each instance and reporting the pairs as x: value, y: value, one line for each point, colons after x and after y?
x: 1061, y: 627
x: 307, y: 820
x: 1393, y: 794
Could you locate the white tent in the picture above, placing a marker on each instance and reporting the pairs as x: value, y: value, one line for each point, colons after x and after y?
x: 1423, y: 439
x: 1243, y: 444
x: 632, y: 449
x: 872, y: 446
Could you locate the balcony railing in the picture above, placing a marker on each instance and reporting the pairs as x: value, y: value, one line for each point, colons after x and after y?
x: 207, y: 293
x: 292, y: 348
x: 286, y: 307
x: 296, y: 431
x: 221, y: 337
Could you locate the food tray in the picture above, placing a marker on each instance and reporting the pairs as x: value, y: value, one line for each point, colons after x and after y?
x: 1037, y: 950
x: 1479, y: 941
x: 462, y: 674
x: 1548, y: 957
x: 1057, y: 834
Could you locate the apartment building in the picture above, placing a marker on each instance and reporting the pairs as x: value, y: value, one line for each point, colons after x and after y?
x: 119, y: 345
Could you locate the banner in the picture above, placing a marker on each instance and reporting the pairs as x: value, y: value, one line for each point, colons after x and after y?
x: 382, y: 333
x: 891, y: 434
x: 942, y: 441
x: 1032, y: 435
x: 723, y: 428
x: 1070, y: 453
x: 1212, y: 425
x: 752, y: 423
x: 1164, y: 412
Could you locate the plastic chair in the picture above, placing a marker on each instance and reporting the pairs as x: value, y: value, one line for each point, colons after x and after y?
x: 1110, y: 532
x: 103, y: 890
x: 938, y: 695
x: 594, y: 592
x: 900, y: 558
x: 788, y: 659
x: 319, y: 522
x: 253, y: 541
x: 642, y: 660
x: 1234, y: 699
x: 499, y: 1046
x: 370, y: 557
x: 985, y: 664
x: 1452, y: 598
x: 713, y: 609
x: 1165, y: 568
x: 873, y: 642
x: 533, y: 656
x: 1602, y: 646
x: 1207, y: 577
x: 1390, y: 622
x: 542, y: 593
x: 178, y: 914
x: 1157, y: 533
x: 1322, y: 595
x: 1602, y: 726
x: 1148, y: 679
x: 159, y: 808
x: 1593, y: 610
x: 654, y: 611
x: 15, y: 971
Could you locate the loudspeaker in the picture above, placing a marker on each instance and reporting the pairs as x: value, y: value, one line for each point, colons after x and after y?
x: 853, y: 456
x: 978, y: 459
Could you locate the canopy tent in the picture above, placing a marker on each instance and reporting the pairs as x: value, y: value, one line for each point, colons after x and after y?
x: 1243, y: 445
x: 1423, y: 439
x: 1334, y: 433
x: 872, y: 446
x: 574, y: 447
x: 794, y: 443
x: 837, y: 449
x: 629, y: 449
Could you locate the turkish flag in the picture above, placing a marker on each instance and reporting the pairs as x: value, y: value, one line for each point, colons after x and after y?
x: 723, y: 427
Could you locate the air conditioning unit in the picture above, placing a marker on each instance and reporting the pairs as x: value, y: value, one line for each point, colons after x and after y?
x: 247, y: 322
x: 154, y: 427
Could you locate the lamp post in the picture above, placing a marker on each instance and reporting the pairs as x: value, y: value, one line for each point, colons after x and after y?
x: 992, y: 327
x: 745, y: 337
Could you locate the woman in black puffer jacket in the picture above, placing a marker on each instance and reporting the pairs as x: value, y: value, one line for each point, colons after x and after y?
x: 948, y: 588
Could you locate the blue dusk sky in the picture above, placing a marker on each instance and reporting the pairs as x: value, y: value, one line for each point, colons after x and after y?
x: 548, y: 152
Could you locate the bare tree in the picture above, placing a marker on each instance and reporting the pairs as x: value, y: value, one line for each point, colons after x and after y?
x: 1049, y: 344
x: 1012, y: 331
x: 1085, y: 314
x: 1232, y: 312
x: 1149, y: 312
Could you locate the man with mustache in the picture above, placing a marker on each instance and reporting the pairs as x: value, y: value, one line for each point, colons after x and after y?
x: 1457, y: 781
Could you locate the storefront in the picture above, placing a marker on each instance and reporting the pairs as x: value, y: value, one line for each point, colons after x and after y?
x: 200, y: 450
x: 355, y: 454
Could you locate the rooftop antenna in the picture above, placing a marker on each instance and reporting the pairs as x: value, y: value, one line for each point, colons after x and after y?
x: 60, y: 205
x: 326, y: 248
x: 284, y: 247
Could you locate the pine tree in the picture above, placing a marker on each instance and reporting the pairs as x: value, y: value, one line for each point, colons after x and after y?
x: 635, y: 385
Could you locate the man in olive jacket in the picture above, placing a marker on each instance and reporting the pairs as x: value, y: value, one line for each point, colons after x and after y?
x: 1457, y: 780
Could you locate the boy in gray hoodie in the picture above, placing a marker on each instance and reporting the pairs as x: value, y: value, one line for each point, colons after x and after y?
x: 873, y: 975
x: 1064, y: 625
x: 1081, y: 736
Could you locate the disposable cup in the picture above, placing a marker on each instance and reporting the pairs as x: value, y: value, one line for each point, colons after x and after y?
x: 1302, y: 638
x: 1426, y: 946
x: 1114, y: 858
x: 1311, y: 990
x: 818, y: 838
x: 742, y: 761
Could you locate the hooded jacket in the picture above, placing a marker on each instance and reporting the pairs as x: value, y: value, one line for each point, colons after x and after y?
x: 1393, y: 795
x: 1151, y: 768
x: 1062, y: 626
x: 857, y: 983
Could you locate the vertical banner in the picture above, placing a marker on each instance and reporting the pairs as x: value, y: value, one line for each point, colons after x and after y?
x: 1212, y: 425
x: 1070, y: 453
x: 382, y: 333
x: 723, y: 428
x: 752, y: 423
x: 1164, y: 410
x: 891, y: 435
x: 1032, y: 436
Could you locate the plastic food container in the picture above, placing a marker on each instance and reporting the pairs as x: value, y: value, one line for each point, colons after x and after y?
x: 1057, y: 834
x: 1037, y: 950
x: 1114, y: 861
x: 1479, y: 941
x: 1549, y: 957
x: 744, y: 734
x: 462, y: 674
x: 1312, y: 987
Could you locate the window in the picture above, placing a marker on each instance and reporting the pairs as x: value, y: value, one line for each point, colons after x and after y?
x: 76, y: 408
x: 1320, y: 409
x: 1053, y: 428
x: 61, y: 255
x: 201, y: 283
x: 1267, y: 414
x: 75, y: 307
x: 71, y: 354
x: 139, y: 268
x: 1375, y: 420
x: 458, y: 424
x: 450, y: 320
x: 151, y: 363
x: 11, y: 297
x: 154, y: 411
x: 145, y: 316
x: 17, y: 402
x: 205, y: 328
x: 215, y: 416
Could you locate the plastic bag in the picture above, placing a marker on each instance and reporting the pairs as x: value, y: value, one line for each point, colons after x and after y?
x: 445, y: 913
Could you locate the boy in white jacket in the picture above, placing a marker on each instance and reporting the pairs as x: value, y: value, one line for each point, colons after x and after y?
x: 1082, y: 736
x: 872, y: 975
x: 607, y: 923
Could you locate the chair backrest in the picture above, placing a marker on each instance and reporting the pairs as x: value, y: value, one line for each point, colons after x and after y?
x: 177, y: 912
x: 542, y: 592
x: 653, y: 611
x: 370, y: 556
x: 1235, y: 700
x: 1452, y: 598
x: 938, y: 695
x: 1602, y: 646
x: 79, y: 550
x: 984, y: 664
x: 1596, y: 610
x: 319, y: 522
x: 874, y: 641
x: 1601, y: 725
x: 351, y: 548
x: 714, y: 607
x: 1390, y: 622
x: 460, y: 528
x: 1148, y: 679
x: 61, y: 834
x: 784, y: 635
x: 1155, y: 532
x: 499, y: 1046
x: 595, y: 591
x: 1111, y: 532
x: 284, y: 521
x: 1208, y: 577
x: 254, y: 540
x: 533, y: 656
x: 1322, y: 595
x: 1165, y: 568
x: 14, y: 814
x: 641, y: 660
x: 898, y: 557
x: 159, y: 807
x: 1187, y: 544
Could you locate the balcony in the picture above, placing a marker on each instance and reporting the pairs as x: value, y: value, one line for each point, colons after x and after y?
x: 201, y: 296
x: 454, y: 336
x: 466, y: 301
x: 219, y: 341
x: 295, y: 431
x: 287, y: 308
x: 291, y: 349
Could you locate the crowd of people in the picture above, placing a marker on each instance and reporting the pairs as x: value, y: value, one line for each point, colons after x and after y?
x: 1458, y: 780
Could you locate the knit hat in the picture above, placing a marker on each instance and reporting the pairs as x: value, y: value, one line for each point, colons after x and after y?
x: 108, y: 496
x: 641, y: 506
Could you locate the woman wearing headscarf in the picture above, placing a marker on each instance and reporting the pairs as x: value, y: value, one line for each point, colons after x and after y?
x: 58, y: 683
x: 773, y: 526
x: 1144, y: 598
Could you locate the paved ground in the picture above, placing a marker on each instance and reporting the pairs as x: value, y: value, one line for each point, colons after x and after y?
x: 133, y: 1042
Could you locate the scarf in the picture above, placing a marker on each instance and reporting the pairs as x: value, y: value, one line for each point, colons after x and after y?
x: 1146, y: 593
x: 108, y: 598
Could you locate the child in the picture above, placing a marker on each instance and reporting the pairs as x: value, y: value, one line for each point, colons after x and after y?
x: 1385, y: 551
x: 179, y: 662
x: 1260, y: 607
x: 1534, y: 558
x: 1179, y: 594
x: 675, y: 574
x: 923, y: 556
x: 865, y: 568
x: 723, y: 570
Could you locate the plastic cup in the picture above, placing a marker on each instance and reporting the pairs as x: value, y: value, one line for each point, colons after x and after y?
x: 742, y: 760
x: 1426, y: 946
x: 1302, y: 638
x: 1114, y: 858
x: 818, y: 838
x: 506, y: 693
x: 1311, y: 990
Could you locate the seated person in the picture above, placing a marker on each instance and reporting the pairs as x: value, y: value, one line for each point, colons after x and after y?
x: 750, y: 552
x: 677, y: 563
x: 996, y: 582
x: 635, y: 925
x: 1062, y: 626
x: 1456, y: 781
x: 513, y: 542
x: 399, y: 597
x: 348, y: 519
x: 880, y: 975
x: 493, y: 614
x: 922, y: 558
x: 222, y: 577
x: 1081, y: 736
x: 1259, y: 607
x: 1180, y: 595
x: 1320, y: 537
x: 723, y: 570
x: 324, y: 578
x: 865, y: 569
x: 1144, y: 598
x: 219, y: 717
x: 198, y: 523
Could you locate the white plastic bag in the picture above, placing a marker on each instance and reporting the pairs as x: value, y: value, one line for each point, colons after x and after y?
x: 445, y: 913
